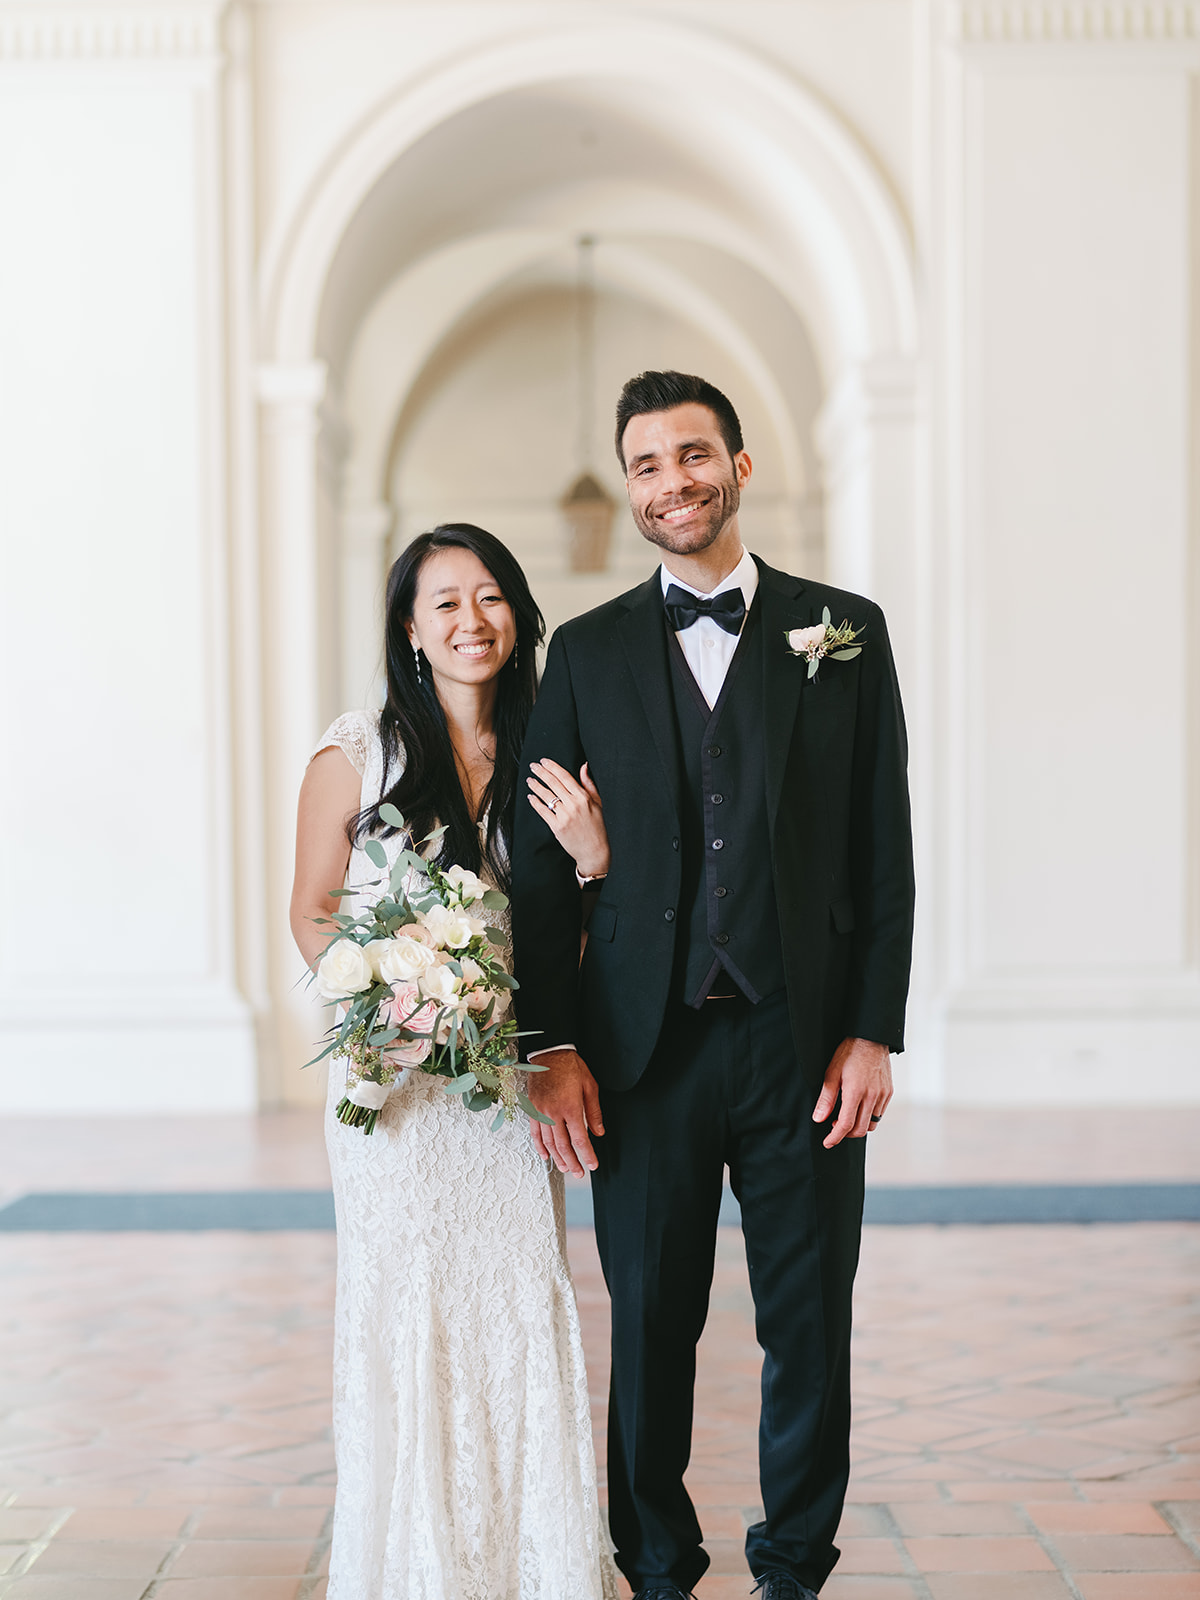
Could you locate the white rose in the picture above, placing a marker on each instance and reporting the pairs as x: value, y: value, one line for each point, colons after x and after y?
x: 405, y: 959
x: 807, y: 641
x: 472, y: 972
x: 344, y: 970
x: 439, y: 984
x: 452, y: 929
x: 374, y: 952
x: 470, y: 887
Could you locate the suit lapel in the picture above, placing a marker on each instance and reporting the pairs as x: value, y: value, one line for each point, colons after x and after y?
x: 644, y: 638
x: 783, y: 677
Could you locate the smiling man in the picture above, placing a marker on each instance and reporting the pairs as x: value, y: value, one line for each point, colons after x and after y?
x: 744, y: 981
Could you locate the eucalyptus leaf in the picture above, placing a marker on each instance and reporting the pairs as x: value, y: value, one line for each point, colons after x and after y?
x: 479, y: 1102
x: 530, y: 1110
x: 377, y: 853
x: 336, y: 894
x: 495, y: 936
x: 493, y: 900
x: 498, y: 1121
x: 825, y: 617
x: 499, y: 979
x: 389, y: 814
x: 846, y: 655
x: 812, y: 667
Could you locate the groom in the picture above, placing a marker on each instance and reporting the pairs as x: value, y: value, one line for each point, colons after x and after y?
x: 744, y: 979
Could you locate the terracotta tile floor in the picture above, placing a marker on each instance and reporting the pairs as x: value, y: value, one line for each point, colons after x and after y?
x: 1027, y: 1418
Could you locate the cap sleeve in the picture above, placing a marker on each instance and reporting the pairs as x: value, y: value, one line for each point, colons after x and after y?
x: 351, y: 733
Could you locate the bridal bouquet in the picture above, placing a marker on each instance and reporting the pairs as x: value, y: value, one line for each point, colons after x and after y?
x: 422, y: 987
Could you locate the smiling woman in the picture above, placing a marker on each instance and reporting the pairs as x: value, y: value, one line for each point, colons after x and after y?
x: 462, y: 630
x: 456, y: 1334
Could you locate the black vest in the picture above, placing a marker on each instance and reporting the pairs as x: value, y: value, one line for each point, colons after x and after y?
x: 728, y: 923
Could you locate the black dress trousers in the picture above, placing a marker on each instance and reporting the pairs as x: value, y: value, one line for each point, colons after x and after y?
x: 723, y: 1088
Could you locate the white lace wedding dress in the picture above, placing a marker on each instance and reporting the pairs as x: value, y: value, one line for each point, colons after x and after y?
x: 460, y: 1403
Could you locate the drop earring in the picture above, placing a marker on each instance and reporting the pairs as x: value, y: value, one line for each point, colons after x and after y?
x: 417, y: 660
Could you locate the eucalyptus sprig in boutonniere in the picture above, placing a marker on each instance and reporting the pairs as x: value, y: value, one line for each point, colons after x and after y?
x: 822, y: 640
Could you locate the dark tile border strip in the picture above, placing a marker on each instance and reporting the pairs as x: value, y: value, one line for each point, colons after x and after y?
x: 241, y: 1211
x: 291, y: 1210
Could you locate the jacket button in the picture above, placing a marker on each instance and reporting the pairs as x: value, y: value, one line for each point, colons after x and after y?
x: 674, y: 844
x: 720, y: 893
x: 717, y: 799
x: 722, y: 938
x: 714, y: 749
x: 718, y: 844
x: 669, y: 914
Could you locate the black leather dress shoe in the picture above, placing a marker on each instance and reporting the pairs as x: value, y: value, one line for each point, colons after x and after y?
x: 779, y: 1585
x: 663, y: 1591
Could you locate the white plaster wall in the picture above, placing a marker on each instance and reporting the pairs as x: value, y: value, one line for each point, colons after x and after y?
x: 116, y: 987
x: 983, y: 217
x: 1072, y: 956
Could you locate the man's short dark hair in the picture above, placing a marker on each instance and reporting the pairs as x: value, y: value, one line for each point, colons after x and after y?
x: 663, y: 391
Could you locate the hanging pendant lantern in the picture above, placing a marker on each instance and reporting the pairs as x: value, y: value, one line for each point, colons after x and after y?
x: 589, y: 510
x: 587, y: 506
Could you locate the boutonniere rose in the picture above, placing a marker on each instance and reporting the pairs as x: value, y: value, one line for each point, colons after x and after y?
x: 823, y: 639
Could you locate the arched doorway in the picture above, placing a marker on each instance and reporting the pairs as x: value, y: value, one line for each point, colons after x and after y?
x: 755, y: 243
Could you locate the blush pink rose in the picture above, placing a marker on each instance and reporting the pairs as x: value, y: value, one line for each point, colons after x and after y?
x: 407, y: 1009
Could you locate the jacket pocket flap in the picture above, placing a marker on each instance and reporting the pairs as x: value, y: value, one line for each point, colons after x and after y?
x: 842, y: 912
x: 602, y: 923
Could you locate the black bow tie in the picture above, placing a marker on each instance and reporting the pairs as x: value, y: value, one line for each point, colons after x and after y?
x: 727, y: 610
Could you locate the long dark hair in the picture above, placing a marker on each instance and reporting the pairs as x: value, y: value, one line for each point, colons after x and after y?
x: 413, y: 727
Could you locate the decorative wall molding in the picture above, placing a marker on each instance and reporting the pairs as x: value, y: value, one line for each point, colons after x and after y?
x: 168, y: 32
x: 1074, y: 21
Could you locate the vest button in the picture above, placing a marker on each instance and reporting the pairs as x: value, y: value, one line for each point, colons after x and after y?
x: 717, y: 799
x: 722, y: 938
x: 714, y: 750
x: 720, y: 893
x: 718, y: 844
x: 674, y: 844
x: 669, y: 914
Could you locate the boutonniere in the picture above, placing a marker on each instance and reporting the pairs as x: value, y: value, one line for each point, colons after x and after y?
x: 822, y: 640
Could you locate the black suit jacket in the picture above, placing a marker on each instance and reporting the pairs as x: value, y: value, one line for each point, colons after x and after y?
x: 840, y: 836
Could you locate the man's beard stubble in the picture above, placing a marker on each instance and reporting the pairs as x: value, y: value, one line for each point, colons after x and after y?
x: 701, y: 534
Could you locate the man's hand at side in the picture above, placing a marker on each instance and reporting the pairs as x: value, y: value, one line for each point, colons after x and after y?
x: 861, y: 1072
x: 568, y: 1094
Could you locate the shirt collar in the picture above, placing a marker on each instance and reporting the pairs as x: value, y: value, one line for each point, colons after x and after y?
x: 744, y: 577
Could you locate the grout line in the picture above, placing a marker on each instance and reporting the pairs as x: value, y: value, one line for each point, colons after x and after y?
x: 172, y: 1556
x: 1176, y: 1523
x: 33, y: 1550
x: 311, y: 1578
x: 1052, y: 1550
x: 911, y: 1570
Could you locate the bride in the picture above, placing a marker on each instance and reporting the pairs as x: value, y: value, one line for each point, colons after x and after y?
x: 461, y: 1424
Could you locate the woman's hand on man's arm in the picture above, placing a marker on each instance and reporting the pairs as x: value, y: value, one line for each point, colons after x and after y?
x: 574, y: 813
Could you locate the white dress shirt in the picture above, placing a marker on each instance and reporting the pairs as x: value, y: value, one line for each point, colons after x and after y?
x: 706, y: 646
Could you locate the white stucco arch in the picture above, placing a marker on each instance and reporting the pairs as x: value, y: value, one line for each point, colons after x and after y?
x: 831, y: 204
